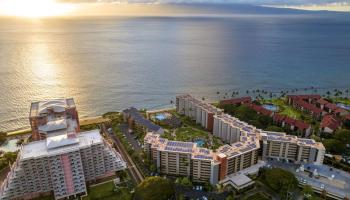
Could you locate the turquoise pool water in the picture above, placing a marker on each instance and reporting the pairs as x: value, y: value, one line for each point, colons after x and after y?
x: 270, y: 107
x: 10, y: 146
x: 345, y: 106
x: 160, y: 116
x: 200, y: 142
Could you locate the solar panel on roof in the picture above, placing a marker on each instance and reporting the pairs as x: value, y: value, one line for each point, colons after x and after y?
x: 246, y: 149
x: 206, y: 151
x: 234, y: 153
x: 238, y: 144
x: 203, y: 157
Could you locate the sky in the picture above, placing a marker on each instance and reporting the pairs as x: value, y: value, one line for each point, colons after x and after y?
x: 41, y: 8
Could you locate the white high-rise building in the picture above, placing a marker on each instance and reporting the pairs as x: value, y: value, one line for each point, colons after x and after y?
x: 61, y: 163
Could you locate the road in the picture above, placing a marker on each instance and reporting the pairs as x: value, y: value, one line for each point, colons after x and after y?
x: 330, y: 186
x: 125, y: 130
x: 134, y: 172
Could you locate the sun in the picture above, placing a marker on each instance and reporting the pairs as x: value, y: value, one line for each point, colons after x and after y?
x: 34, y: 8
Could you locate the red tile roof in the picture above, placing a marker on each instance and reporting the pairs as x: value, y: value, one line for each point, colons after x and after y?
x: 330, y: 122
x: 304, y: 96
x: 340, y: 110
x: 299, y: 124
x: 260, y: 109
x: 331, y: 106
x: 322, y: 101
x: 347, y: 117
x: 278, y: 118
x: 236, y: 101
x: 308, y: 106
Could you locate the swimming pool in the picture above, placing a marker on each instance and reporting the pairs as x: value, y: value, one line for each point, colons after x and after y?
x: 270, y: 107
x: 10, y: 146
x: 345, y: 106
x: 160, y: 116
x: 199, y: 142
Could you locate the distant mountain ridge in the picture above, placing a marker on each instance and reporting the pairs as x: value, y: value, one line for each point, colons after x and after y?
x: 229, y: 8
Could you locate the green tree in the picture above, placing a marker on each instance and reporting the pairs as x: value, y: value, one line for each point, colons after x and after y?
x: 343, y: 135
x: 245, y: 113
x: 308, y: 191
x: 274, y: 128
x: 186, y: 181
x: 154, y: 188
x: 2, y: 137
x: 334, y: 146
x: 280, y: 180
x: 264, y: 120
x: 230, y: 197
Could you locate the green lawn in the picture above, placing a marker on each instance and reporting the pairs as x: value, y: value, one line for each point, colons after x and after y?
x: 107, y: 191
x: 285, y: 109
x: 341, y: 100
x: 189, y: 134
x: 290, y: 112
x: 45, y: 198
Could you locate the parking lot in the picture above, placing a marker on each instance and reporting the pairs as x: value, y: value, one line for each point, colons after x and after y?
x: 320, y: 177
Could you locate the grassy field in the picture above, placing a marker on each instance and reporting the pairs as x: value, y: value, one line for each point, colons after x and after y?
x: 107, y: 191
x: 341, y: 100
x: 285, y: 109
x: 189, y: 134
x: 103, y: 191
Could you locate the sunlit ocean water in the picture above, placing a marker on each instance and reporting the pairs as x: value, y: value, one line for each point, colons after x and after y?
x: 108, y: 64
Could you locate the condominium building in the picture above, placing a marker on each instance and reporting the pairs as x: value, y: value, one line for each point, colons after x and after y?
x: 245, y: 145
x: 291, y: 148
x: 138, y: 123
x: 200, y: 111
x: 231, y: 130
x: 53, y: 117
x: 61, y: 164
x: 61, y: 160
x: 182, y: 158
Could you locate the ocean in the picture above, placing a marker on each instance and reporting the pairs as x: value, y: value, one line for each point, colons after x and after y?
x: 111, y: 63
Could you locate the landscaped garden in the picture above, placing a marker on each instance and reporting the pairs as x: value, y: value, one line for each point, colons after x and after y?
x: 191, y: 134
x: 288, y: 110
x: 107, y: 190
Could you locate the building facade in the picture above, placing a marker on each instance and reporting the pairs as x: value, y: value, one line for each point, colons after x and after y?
x: 138, y: 123
x: 62, y: 159
x: 47, y: 117
x: 245, y: 146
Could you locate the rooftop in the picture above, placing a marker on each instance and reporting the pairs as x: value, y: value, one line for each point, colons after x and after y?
x: 135, y: 114
x: 59, y: 144
x: 247, y: 99
x: 57, y: 106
